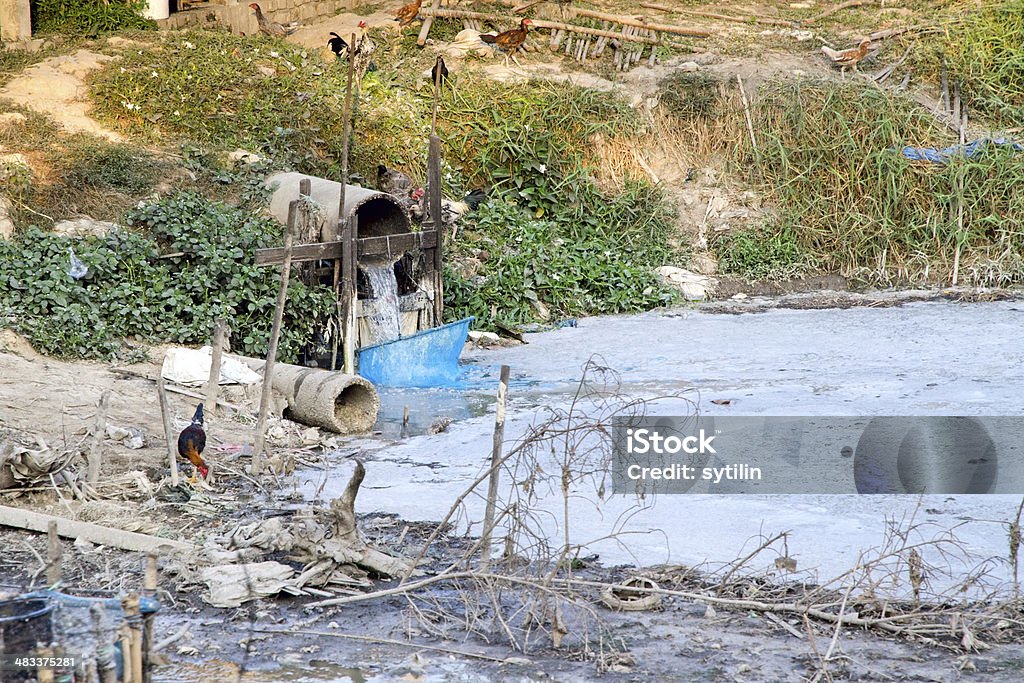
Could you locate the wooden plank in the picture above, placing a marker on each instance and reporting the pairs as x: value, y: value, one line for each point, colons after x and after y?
x: 434, y: 188
x: 19, y: 518
x: 367, y: 246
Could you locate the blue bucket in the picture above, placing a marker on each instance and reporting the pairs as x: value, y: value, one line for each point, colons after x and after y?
x: 429, y: 358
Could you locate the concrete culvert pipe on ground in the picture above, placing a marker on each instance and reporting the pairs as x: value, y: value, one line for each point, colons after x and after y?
x: 335, y: 401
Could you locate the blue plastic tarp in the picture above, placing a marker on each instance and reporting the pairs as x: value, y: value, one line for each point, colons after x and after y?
x: 969, y: 150
x: 429, y: 358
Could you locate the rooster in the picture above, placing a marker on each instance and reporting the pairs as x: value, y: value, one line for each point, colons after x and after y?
x: 337, y: 44
x: 191, y: 443
x: 407, y: 14
x: 363, y: 51
x: 509, y: 42
x: 268, y: 27
x: 847, y: 58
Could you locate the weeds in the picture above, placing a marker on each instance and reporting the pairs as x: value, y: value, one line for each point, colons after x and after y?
x: 88, y: 17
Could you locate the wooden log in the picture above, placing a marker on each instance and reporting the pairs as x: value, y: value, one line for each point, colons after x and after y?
x: 497, y: 446
x: 544, y: 23
x: 132, y: 612
x: 149, y: 583
x: 275, y: 337
x: 19, y: 518
x: 213, y: 383
x: 165, y: 413
x: 841, y: 6
x: 742, y: 19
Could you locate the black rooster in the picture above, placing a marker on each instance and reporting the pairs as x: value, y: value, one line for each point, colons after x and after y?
x: 337, y: 45
x: 439, y: 66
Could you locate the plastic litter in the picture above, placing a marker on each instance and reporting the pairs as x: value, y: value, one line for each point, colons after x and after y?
x: 969, y: 150
x: 191, y: 367
x: 77, y: 270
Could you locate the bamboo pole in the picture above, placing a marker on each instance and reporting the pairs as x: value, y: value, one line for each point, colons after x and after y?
x: 544, y: 23
x: 275, y: 337
x: 213, y: 383
x: 149, y: 584
x: 497, y: 446
x: 747, y: 116
x: 421, y: 39
x: 165, y: 413
x: 743, y: 19
x: 340, y: 285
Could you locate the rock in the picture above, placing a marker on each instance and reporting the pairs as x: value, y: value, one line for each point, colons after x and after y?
x: 6, y: 223
x: 482, y: 338
x: 10, y: 118
x: 85, y: 227
x: 689, y: 67
x: 241, y: 156
x: 543, y: 312
x: 466, y: 268
x: 694, y: 287
x: 704, y: 264
x: 739, y: 296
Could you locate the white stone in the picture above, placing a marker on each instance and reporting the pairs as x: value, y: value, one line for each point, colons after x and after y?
x: 483, y: 338
x: 694, y: 287
x: 689, y: 67
x: 6, y: 224
x: 739, y: 296
x: 84, y: 227
x: 11, y: 117
x: 241, y: 156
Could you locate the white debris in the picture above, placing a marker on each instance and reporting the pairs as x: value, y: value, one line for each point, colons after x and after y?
x: 192, y: 368
x: 694, y: 287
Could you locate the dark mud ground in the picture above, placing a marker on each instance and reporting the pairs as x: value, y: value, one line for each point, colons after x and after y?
x: 679, y: 641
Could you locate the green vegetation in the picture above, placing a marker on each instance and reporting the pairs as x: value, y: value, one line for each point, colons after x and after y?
x: 845, y: 197
x: 106, y: 166
x: 88, y: 17
x: 566, y: 265
x: 987, y: 53
x: 763, y: 254
x: 130, y: 292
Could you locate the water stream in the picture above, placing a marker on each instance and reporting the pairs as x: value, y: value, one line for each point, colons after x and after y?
x: 385, y: 320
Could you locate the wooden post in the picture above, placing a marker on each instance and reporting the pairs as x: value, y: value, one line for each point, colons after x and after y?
x: 341, y: 229
x: 53, y: 555
x: 434, y: 188
x: 492, y: 486
x: 168, y: 429
x: 421, y: 40
x: 213, y: 383
x: 349, y: 293
x: 149, y: 584
x: 275, y: 337
x: 95, y: 454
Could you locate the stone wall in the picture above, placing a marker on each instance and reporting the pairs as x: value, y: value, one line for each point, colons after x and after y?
x: 16, y: 20
x: 236, y: 15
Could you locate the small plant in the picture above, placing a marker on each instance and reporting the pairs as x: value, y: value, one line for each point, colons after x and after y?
x: 687, y: 96
x: 762, y: 254
x: 113, y: 167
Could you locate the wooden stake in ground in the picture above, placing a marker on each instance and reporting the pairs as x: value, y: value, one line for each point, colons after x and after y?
x: 421, y: 39
x: 99, y: 429
x: 168, y: 429
x: 213, y: 383
x: 341, y: 275
x: 149, y: 583
x: 275, y: 337
x: 53, y: 555
x: 492, y: 485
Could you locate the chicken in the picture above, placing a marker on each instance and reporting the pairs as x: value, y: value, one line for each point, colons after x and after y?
x: 393, y: 182
x: 337, y: 44
x: 191, y: 443
x: 363, y: 51
x: 268, y: 27
x: 407, y: 14
x: 847, y: 58
x: 509, y: 42
x: 439, y: 72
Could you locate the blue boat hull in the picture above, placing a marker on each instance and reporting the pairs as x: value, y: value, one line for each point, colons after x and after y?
x: 429, y: 358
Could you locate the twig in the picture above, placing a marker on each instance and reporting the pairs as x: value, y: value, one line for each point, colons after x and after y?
x: 841, y: 6
x: 747, y: 116
x: 383, y: 641
x: 743, y: 19
x: 171, y: 639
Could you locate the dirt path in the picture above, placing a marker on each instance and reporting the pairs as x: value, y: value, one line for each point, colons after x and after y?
x: 56, y: 87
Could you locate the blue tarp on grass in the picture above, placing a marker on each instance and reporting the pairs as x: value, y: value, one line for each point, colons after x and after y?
x: 969, y: 150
